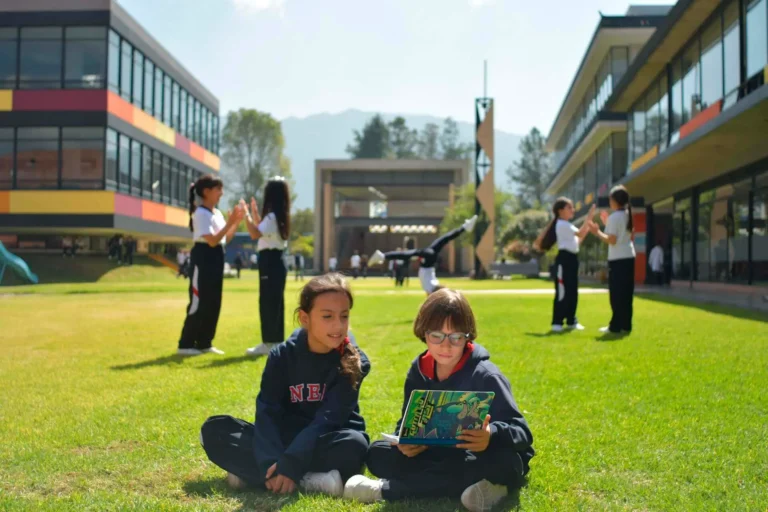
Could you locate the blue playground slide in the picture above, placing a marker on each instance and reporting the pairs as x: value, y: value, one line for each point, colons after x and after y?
x: 18, y: 265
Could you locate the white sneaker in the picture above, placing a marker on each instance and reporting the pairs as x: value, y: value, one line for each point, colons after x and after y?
x: 363, y: 489
x: 576, y: 327
x: 235, y: 482
x: 188, y: 352
x: 259, y: 350
x: 376, y: 258
x: 482, y: 496
x: 214, y: 350
x: 557, y: 328
x: 469, y: 224
x: 327, y: 483
x: 604, y: 329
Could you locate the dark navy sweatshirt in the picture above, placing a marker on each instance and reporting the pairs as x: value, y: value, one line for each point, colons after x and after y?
x: 475, y: 372
x: 302, y: 396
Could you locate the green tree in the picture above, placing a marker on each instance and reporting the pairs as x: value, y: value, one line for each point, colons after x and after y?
x: 372, y: 142
x: 252, y: 152
x: 450, y: 145
x: 525, y: 226
x: 464, y: 208
x: 302, y: 222
x: 403, y: 140
x: 533, y: 172
x: 304, y: 245
x: 428, y: 142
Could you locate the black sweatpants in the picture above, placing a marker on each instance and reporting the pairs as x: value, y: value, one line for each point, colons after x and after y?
x: 228, y: 442
x: 621, y: 287
x: 272, y: 275
x: 441, y: 471
x: 205, y: 286
x: 566, y: 288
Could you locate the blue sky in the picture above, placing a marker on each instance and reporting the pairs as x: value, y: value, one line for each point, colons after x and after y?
x: 303, y: 57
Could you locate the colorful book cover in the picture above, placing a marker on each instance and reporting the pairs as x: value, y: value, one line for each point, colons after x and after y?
x: 437, y: 417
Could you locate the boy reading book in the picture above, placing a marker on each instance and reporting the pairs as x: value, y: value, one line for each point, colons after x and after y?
x: 487, y: 460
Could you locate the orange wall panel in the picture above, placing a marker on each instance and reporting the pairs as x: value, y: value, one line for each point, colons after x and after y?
x: 176, y: 216
x: 119, y: 107
x: 152, y: 211
x: 5, y: 202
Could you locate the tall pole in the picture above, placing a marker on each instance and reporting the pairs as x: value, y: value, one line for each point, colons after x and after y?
x: 484, y: 188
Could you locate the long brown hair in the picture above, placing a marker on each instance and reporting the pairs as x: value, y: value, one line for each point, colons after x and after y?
x: 445, y: 304
x: 548, y: 237
x: 277, y: 200
x: 620, y: 194
x: 350, y: 364
x: 196, y: 190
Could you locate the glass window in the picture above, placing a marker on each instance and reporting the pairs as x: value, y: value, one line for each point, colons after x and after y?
x: 174, y: 192
x: 677, y: 96
x: 578, y: 186
x: 619, y: 62
x: 663, y: 112
x: 146, y: 172
x: 136, y: 168
x: 167, y: 100
x: 124, y: 163
x: 190, y: 117
x: 183, y: 112
x: 732, y: 59
x: 149, y: 73
x: 216, y: 134
x: 138, y: 78
x: 8, y: 53
x: 196, y: 132
x: 760, y: 236
x: 711, y: 64
x: 126, y: 66
x: 85, y: 51
x: 6, y: 158
x: 590, y: 176
x: 757, y: 36
x: 157, y: 175
x: 113, y: 71
x: 111, y: 167
x: 40, y: 66
x: 37, y: 158
x: 652, y: 117
x: 638, y: 127
x: 604, y: 168
x: 175, y: 107
x: 681, y: 240
x: 619, y: 156
x: 158, y: 93
x: 82, y: 152
x: 166, y: 179
x: 691, y: 82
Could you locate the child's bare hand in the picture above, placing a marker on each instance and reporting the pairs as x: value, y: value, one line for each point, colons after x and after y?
x: 476, y: 440
x: 411, y: 450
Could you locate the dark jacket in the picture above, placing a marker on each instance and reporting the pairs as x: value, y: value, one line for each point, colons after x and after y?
x: 302, y: 397
x: 475, y: 372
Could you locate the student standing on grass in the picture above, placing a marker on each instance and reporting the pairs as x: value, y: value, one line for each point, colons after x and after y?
x: 355, y: 264
x: 566, y: 269
x: 210, y: 233
x: 656, y: 262
x: 272, y: 229
x: 308, y: 430
x: 621, y: 260
x: 428, y: 256
x: 487, y: 461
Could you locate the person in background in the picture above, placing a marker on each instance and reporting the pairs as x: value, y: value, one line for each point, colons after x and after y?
x: 298, y: 265
x: 355, y: 263
x: 181, y: 260
x: 130, y: 247
x: 364, y: 265
x: 333, y: 263
x: 238, y: 263
x: 66, y: 246
x: 656, y: 262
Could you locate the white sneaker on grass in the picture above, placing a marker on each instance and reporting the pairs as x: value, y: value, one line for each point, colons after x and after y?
x: 607, y: 330
x: 259, y: 350
x: 557, y: 328
x: 327, y: 483
x: 469, y: 224
x: 576, y: 327
x: 363, y: 489
x: 213, y: 350
x: 188, y: 352
x: 376, y: 258
x: 235, y: 482
x: 482, y: 496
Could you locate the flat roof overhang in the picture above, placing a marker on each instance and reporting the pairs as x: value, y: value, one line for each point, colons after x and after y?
x: 733, y: 139
x: 591, y: 140
x: 680, y: 25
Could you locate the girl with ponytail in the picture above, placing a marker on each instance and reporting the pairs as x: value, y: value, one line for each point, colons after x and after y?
x: 210, y: 231
x: 566, y: 269
x: 309, y: 432
x: 621, y: 259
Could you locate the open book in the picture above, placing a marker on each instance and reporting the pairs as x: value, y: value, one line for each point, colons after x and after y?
x: 435, y: 418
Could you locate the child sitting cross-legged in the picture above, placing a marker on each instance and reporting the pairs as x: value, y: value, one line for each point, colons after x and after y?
x: 487, y: 461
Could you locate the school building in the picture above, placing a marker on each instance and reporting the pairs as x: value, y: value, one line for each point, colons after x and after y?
x: 672, y: 103
x: 101, y: 129
x: 368, y: 204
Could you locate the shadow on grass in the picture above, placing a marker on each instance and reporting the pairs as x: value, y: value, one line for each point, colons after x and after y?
x: 611, y: 336
x: 721, y: 309
x: 219, y: 363
x: 547, y: 334
x: 249, y: 500
x: 159, y: 361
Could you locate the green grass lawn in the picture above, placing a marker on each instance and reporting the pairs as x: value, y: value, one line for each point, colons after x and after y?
x: 96, y: 413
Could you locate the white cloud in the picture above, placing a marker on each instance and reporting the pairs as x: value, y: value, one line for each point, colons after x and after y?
x: 480, y: 3
x: 260, y: 5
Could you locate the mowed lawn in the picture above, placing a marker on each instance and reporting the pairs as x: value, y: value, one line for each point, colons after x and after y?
x: 97, y: 413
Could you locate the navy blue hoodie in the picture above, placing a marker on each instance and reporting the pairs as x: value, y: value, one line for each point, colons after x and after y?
x: 302, y: 396
x: 475, y: 372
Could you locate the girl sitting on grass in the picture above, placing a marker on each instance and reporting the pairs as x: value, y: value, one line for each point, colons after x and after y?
x: 488, y: 460
x: 308, y: 430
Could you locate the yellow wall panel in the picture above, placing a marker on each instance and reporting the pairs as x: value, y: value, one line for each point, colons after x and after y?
x: 62, y: 201
x: 650, y: 155
x: 165, y: 134
x: 6, y: 101
x: 176, y: 216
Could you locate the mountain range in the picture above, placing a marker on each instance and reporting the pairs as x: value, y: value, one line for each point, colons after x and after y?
x: 326, y: 136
